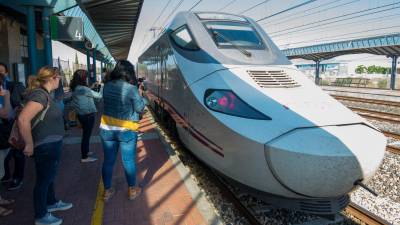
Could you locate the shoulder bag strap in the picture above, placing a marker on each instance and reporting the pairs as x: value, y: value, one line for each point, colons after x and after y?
x: 43, y: 113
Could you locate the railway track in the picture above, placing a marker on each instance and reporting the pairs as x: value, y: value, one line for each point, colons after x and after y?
x: 364, y: 215
x: 377, y: 115
x: 367, y: 100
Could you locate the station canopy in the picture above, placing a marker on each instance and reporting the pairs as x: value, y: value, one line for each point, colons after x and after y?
x: 109, y: 24
x: 388, y: 45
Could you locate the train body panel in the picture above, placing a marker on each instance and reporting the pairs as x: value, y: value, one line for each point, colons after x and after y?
x: 249, y: 114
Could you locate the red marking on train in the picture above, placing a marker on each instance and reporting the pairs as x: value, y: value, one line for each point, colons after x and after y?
x: 179, y: 119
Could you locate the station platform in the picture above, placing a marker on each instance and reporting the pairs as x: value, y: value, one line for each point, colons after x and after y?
x: 381, y: 94
x: 169, y: 194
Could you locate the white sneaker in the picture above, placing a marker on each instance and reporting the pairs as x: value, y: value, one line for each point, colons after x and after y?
x: 48, y: 219
x: 88, y: 159
x: 59, y: 206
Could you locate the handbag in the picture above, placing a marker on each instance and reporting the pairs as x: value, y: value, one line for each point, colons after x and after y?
x: 16, y: 139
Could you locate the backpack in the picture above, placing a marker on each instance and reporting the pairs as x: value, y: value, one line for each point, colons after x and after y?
x: 15, y: 138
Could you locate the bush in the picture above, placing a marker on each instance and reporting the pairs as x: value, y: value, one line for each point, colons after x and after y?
x: 382, y: 83
x: 324, y: 82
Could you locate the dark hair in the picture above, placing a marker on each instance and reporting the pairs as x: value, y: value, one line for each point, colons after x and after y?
x: 124, y: 70
x: 4, y: 65
x: 79, y: 78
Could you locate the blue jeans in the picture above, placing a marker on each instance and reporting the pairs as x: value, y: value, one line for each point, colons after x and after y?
x: 47, y: 160
x: 112, y: 140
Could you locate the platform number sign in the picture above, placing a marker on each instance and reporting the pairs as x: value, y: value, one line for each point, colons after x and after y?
x: 66, y: 28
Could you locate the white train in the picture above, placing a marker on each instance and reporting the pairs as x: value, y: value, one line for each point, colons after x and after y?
x: 240, y: 106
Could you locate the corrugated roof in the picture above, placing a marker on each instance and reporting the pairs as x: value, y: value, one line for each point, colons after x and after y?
x: 388, y: 45
x: 115, y: 22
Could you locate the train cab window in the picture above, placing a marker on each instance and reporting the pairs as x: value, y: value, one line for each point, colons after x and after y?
x: 184, y: 39
x: 227, y: 34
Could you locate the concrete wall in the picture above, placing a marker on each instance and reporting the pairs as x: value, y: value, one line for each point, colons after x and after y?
x: 14, y: 52
x: 10, y: 47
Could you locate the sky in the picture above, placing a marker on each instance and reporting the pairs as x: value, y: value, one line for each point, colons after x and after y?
x: 290, y: 23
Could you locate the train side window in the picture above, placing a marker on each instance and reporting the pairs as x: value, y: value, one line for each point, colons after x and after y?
x: 184, y: 39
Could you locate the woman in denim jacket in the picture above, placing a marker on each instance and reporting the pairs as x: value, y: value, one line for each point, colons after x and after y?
x: 119, y: 126
x: 83, y: 102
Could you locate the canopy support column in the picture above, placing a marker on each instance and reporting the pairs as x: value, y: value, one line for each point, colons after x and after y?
x: 393, y: 74
x: 317, y: 70
x: 32, y: 51
x: 88, y: 62
x: 46, y: 36
x: 94, y: 78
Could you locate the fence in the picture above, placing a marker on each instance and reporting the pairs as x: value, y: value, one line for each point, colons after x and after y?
x: 66, y: 72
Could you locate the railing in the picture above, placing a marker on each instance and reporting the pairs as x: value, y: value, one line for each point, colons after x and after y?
x: 351, y: 82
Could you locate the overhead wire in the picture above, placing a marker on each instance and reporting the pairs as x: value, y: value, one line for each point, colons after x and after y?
x: 173, y: 11
x: 343, y: 36
x: 294, y: 29
x: 227, y: 5
x: 162, y: 11
x: 195, y: 5
x: 322, y: 10
x: 286, y: 10
x: 306, y: 10
x: 377, y: 19
x: 254, y: 6
x: 152, y: 25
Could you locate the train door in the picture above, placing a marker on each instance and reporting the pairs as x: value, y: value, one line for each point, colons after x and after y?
x: 161, y: 72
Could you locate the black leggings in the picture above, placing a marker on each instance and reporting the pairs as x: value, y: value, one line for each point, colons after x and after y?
x: 87, y: 122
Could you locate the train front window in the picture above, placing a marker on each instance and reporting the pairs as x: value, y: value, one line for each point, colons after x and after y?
x: 231, y: 33
x: 184, y: 39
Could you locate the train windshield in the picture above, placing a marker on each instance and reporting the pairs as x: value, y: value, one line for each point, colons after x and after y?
x: 228, y: 34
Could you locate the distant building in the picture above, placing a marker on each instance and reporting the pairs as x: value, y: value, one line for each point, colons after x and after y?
x: 327, y: 69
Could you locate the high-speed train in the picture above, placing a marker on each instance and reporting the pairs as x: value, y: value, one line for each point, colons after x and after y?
x: 239, y: 105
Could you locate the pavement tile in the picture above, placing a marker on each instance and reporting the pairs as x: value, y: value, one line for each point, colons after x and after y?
x: 164, y: 201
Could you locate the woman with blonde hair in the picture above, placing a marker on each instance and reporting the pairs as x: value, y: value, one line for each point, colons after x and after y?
x: 44, y: 143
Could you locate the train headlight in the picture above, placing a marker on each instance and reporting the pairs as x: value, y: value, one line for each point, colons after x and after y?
x: 227, y: 102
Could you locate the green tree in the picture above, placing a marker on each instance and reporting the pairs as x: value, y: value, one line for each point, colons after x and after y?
x: 371, y: 69
x: 360, y: 69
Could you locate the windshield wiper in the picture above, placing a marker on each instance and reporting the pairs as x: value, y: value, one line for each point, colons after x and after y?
x: 242, y: 50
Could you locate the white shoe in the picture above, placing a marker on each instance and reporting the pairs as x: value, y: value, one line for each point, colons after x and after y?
x: 48, y: 219
x: 88, y: 159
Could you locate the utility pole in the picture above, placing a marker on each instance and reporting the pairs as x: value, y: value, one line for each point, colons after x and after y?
x: 154, y: 29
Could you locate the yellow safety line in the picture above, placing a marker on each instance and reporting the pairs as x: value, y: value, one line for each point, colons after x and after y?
x: 97, y: 217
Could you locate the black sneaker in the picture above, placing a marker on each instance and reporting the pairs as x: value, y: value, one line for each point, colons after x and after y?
x: 15, y: 185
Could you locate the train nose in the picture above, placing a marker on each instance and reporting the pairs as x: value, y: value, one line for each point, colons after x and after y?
x: 326, y: 161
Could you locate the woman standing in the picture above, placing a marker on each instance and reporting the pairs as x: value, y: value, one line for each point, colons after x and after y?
x: 44, y: 142
x: 5, y: 108
x: 83, y: 102
x: 119, y: 126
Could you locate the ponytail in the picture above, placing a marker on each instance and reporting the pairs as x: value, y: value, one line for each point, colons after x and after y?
x: 43, y: 76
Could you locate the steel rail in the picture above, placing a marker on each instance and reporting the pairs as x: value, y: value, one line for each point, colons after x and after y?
x: 393, y: 149
x: 364, y: 215
x: 367, y: 100
x: 392, y: 135
x: 376, y: 115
